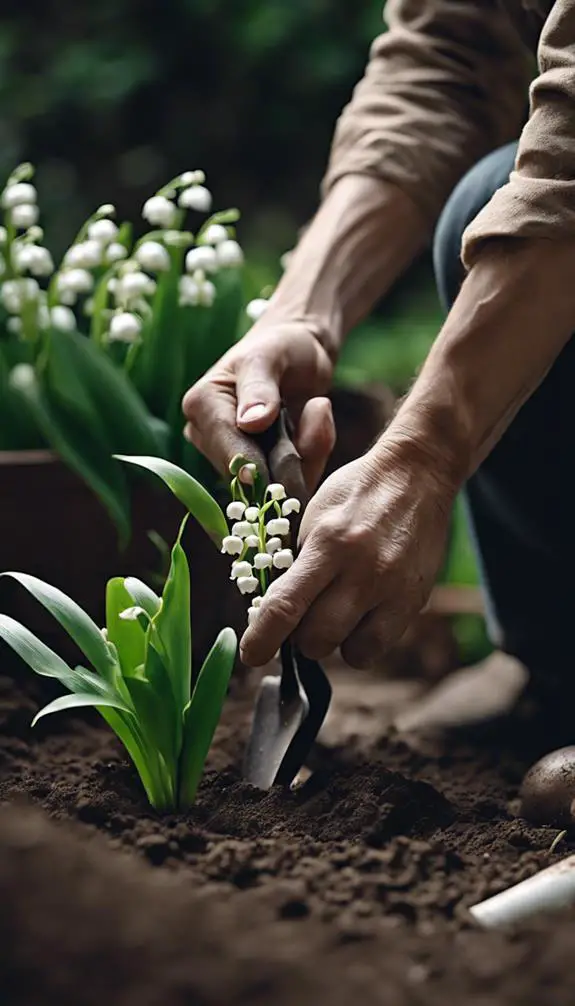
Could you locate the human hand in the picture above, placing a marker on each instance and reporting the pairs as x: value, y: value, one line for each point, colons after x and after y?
x: 372, y: 542
x: 277, y: 361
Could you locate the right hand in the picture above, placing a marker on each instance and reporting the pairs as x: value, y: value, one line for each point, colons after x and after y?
x: 276, y: 362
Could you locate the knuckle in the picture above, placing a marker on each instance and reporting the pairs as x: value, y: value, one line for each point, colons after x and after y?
x: 194, y: 400
x: 283, y: 608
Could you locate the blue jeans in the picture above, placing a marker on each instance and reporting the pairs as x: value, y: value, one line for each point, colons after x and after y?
x: 521, y: 500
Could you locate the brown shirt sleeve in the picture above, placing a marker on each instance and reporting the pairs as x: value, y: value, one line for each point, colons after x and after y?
x: 539, y: 200
x: 444, y: 86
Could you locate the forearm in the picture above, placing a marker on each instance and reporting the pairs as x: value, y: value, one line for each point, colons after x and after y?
x: 514, y: 314
x: 362, y: 238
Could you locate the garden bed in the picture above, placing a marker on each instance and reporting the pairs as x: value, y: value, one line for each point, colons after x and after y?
x: 355, y: 885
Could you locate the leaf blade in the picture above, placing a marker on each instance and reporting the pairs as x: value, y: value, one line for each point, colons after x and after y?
x: 198, y: 501
x: 172, y: 625
x: 76, y: 622
x: 203, y: 713
x: 78, y: 700
x: 129, y: 638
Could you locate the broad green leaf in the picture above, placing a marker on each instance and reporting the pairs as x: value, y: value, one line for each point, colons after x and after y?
x: 129, y: 638
x: 158, y: 366
x: 192, y: 494
x: 78, y: 701
x: 203, y: 713
x: 34, y: 652
x: 143, y: 595
x: 75, y: 442
x: 155, y: 712
x: 172, y: 625
x: 84, y: 375
x: 79, y: 626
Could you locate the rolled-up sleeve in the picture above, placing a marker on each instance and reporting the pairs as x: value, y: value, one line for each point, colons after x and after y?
x: 444, y: 85
x: 539, y: 200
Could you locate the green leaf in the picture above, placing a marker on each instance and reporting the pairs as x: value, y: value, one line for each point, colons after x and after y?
x: 143, y: 595
x: 85, y: 376
x: 172, y: 625
x: 34, y: 652
x: 76, y: 444
x: 158, y: 366
x: 192, y: 494
x: 129, y: 638
x: 78, y: 701
x: 79, y: 626
x: 203, y: 713
x: 153, y: 700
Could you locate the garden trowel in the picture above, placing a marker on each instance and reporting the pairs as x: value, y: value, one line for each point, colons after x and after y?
x: 291, y: 706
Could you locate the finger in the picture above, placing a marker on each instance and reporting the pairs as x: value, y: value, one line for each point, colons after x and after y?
x: 210, y: 408
x: 315, y: 439
x: 330, y: 620
x: 284, y: 606
x: 258, y: 393
x: 374, y: 636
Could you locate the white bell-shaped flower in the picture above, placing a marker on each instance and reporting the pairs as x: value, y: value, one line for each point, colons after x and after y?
x: 253, y: 541
x: 291, y: 505
x: 262, y: 560
x: 257, y: 601
x: 153, y: 257
x: 203, y: 257
x: 197, y: 198
x: 252, y: 514
x: 24, y: 216
x: 125, y: 327
x: 242, y: 529
x: 278, y: 526
x: 240, y: 568
x: 230, y: 254
x: 18, y: 194
x: 115, y: 252
x: 273, y: 545
x: 63, y: 318
x: 232, y: 544
x: 235, y: 510
x: 160, y: 212
x: 256, y: 308
x: 103, y: 231
x: 215, y: 234
x: 283, y: 559
x: 84, y: 255
x: 276, y: 491
x: 247, y: 584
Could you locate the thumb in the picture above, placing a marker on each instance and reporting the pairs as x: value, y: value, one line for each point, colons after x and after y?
x: 258, y: 395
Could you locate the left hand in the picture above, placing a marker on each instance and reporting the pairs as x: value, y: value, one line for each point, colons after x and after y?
x: 372, y: 542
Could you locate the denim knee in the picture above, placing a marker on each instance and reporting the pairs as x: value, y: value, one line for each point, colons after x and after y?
x: 467, y: 199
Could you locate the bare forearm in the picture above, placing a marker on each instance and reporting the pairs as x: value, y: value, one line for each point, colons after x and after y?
x: 514, y: 314
x: 362, y: 238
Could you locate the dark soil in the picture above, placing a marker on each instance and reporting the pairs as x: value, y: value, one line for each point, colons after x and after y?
x: 352, y: 887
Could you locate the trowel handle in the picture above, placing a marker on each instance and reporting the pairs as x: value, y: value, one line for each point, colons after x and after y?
x: 284, y: 462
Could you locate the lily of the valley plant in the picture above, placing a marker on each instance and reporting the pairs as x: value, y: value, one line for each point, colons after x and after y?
x: 140, y: 675
x: 96, y: 353
x: 138, y: 671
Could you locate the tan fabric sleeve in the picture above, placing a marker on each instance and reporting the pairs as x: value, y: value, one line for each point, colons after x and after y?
x: 445, y: 85
x: 539, y: 200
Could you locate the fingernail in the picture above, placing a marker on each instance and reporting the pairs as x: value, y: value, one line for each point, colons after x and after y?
x: 247, y: 475
x: 253, y: 413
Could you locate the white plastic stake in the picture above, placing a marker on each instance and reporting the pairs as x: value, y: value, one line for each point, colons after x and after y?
x: 550, y: 890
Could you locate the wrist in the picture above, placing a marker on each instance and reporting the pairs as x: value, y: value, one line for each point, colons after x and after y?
x: 421, y: 440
